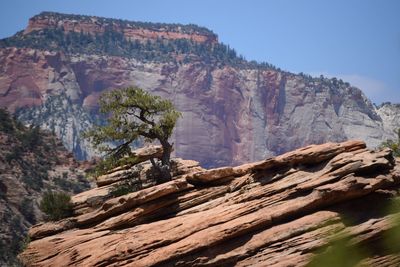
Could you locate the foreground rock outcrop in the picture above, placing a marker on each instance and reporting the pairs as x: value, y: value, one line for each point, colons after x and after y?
x: 277, y: 212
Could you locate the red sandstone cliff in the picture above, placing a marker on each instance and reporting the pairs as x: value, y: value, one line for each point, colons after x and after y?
x: 233, y: 111
x: 130, y: 30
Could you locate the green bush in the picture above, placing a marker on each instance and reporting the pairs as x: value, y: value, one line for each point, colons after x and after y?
x: 30, y: 138
x: 6, y: 123
x: 68, y: 185
x: 126, y: 187
x: 394, y: 145
x: 33, y: 181
x: 15, y: 154
x: 56, y: 205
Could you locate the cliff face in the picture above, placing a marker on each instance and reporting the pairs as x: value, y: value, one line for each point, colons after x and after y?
x: 53, y: 73
x: 130, y: 30
x: 281, y: 211
x: 390, y: 114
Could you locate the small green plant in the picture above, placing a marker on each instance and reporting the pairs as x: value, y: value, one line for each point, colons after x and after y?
x: 344, y: 249
x: 25, y: 242
x: 15, y: 154
x: 32, y: 180
x: 56, y: 205
x: 393, y: 145
x: 6, y: 123
x: 338, y: 252
x: 125, y: 187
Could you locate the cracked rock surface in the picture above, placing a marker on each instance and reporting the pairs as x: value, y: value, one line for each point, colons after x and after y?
x: 280, y: 211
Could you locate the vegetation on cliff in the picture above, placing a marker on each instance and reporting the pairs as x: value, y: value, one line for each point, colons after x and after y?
x: 113, y: 42
x: 56, y: 205
x: 31, y: 162
x: 394, y: 145
x: 172, y: 27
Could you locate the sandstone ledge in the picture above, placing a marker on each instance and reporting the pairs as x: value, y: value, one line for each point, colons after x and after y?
x: 277, y: 212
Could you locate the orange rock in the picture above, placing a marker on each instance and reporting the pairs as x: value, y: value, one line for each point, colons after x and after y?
x: 277, y: 212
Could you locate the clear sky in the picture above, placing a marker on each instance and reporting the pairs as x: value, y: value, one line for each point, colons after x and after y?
x: 356, y: 40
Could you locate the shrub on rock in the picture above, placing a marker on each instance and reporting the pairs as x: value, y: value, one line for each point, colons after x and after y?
x: 56, y: 205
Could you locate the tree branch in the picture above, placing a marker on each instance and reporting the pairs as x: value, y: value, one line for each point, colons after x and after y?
x: 117, y: 150
x: 142, y: 117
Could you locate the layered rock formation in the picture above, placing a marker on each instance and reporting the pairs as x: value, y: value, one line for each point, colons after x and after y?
x: 281, y: 211
x: 234, y: 111
x: 130, y: 30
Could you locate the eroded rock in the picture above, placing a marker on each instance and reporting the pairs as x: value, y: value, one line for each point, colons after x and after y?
x: 276, y: 212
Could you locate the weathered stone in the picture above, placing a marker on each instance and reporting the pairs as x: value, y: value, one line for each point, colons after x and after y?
x: 279, y: 213
x: 210, y: 175
x: 124, y: 172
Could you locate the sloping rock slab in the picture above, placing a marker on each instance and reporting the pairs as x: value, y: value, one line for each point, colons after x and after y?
x: 279, y: 212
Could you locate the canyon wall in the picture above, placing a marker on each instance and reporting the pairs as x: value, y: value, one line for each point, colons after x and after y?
x: 232, y: 112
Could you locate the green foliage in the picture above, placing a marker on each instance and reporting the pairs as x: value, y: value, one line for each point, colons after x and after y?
x: 6, y: 122
x: 67, y: 185
x: 190, y: 28
x: 392, y: 237
x: 338, y: 253
x: 10, y: 247
x: 30, y: 138
x: 114, y: 43
x: 393, y: 145
x: 132, y: 114
x: 33, y: 176
x: 126, y: 187
x: 56, y: 205
x: 348, y: 251
x: 15, y: 154
x: 25, y: 242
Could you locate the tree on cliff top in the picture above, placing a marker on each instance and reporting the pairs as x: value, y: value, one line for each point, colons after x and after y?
x: 132, y: 114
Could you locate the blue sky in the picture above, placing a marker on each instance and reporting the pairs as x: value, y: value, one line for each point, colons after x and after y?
x: 356, y: 40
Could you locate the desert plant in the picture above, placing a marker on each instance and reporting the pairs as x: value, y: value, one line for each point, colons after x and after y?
x: 126, y: 187
x: 394, y: 145
x: 56, y: 205
x: 6, y: 123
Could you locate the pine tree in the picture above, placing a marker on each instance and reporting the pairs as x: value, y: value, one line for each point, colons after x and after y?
x: 133, y: 113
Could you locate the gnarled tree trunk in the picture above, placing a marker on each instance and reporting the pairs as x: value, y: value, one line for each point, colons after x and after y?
x: 165, y: 168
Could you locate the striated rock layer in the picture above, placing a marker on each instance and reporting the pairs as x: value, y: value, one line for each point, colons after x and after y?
x: 277, y: 212
x: 234, y: 111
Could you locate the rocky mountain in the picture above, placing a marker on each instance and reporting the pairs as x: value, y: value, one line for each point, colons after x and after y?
x: 390, y: 114
x: 234, y: 111
x: 321, y: 205
x: 31, y: 162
